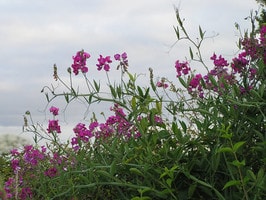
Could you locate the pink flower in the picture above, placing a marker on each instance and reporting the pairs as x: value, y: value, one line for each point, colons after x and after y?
x: 25, y: 193
x: 54, y: 110
x: 240, y: 62
x: 117, y: 57
x: 53, y: 126
x: 51, y: 172
x: 219, y: 62
x: 162, y: 84
x: 123, y: 60
x: 14, y: 152
x: 80, y: 62
x: 195, y: 81
x: 103, y: 63
x: 181, y: 68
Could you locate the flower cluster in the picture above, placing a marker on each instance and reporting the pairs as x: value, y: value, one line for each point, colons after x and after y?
x: 80, y: 62
x: 162, y: 83
x: 31, y: 163
x: 81, y: 57
x: 182, y: 68
x: 115, y: 125
x: 224, y: 74
x: 123, y: 62
x: 54, y: 110
x: 53, y: 125
x: 103, y: 63
x: 195, y: 85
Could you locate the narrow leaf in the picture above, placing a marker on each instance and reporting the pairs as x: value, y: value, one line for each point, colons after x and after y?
x: 112, y: 91
x: 231, y: 183
x: 238, y: 163
x: 201, y: 33
x: 191, y: 53
x: 225, y: 149
x: 182, y: 82
x: 136, y: 171
x: 238, y: 145
x: 96, y: 86
x: 177, y: 32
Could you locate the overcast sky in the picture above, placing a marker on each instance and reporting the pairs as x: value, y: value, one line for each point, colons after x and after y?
x: 35, y: 34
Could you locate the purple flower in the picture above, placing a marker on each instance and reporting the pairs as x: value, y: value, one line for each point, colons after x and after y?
x: 162, y: 84
x: 117, y: 57
x: 80, y: 62
x: 219, y: 62
x: 103, y: 63
x: 123, y: 62
x: 181, y: 68
x: 51, y: 172
x: 195, y: 81
x: 54, y: 110
x: 53, y: 126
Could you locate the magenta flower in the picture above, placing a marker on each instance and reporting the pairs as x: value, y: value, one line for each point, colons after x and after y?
x: 25, y: 193
x: 162, y: 84
x: 263, y: 34
x: 219, y: 62
x: 123, y: 62
x: 195, y: 81
x: 117, y: 57
x: 15, y: 164
x: 51, y: 172
x: 103, y: 63
x: 53, y: 126
x: 54, y: 110
x: 14, y: 152
x: 122, y: 57
x: 181, y: 68
x: 80, y: 62
x: 240, y: 62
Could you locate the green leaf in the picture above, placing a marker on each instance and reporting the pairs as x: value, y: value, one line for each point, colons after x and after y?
x: 96, y: 86
x: 213, y: 81
x: 66, y: 98
x: 225, y: 149
x: 182, y: 82
x: 260, y: 176
x: 133, y: 103
x: 47, y: 97
x: 113, y: 168
x: 131, y: 77
x: 159, y: 106
x: 238, y: 145
x: 136, y: 171
x: 169, y: 182
x: 119, y: 91
x: 177, y: 32
x: 191, y: 189
x: 191, y: 53
x: 112, y: 91
x: 251, y: 175
x: 163, y: 134
x: 231, y: 183
x: 227, y: 135
x: 201, y: 33
x: 140, y: 91
x: 238, y: 163
x: 147, y: 93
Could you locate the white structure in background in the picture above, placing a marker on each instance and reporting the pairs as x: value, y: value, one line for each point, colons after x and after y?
x: 11, y: 141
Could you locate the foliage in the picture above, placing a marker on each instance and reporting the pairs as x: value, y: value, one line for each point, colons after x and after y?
x: 205, y: 140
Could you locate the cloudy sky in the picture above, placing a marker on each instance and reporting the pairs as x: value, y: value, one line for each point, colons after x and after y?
x: 35, y: 34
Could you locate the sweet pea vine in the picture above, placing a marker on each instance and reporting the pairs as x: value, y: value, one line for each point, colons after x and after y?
x: 145, y: 149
